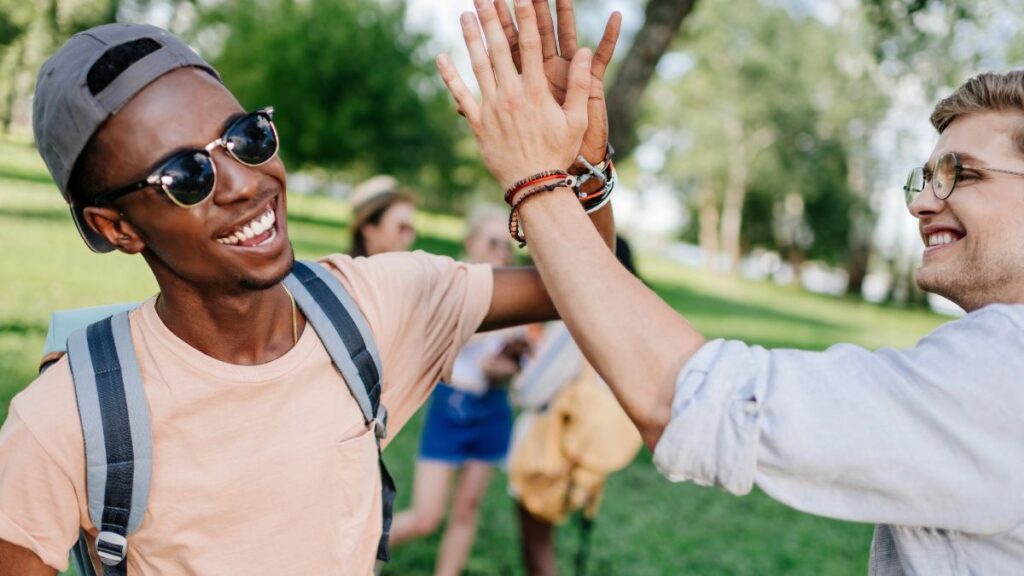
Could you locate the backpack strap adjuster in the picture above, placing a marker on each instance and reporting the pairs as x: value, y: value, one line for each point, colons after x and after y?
x: 380, y: 423
x: 379, y: 429
x: 111, y: 548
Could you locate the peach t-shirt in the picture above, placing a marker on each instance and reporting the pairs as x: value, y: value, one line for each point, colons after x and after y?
x: 263, y: 469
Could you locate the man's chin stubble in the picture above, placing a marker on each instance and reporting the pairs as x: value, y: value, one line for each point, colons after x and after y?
x: 259, y: 284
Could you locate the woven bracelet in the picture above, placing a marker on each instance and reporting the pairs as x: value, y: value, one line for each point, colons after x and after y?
x: 531, y: 181
x: 514, y: 228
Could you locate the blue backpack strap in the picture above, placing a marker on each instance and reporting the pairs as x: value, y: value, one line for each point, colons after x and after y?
x: 115, y: 421
x: 80, y: 556
x: 346, y: 335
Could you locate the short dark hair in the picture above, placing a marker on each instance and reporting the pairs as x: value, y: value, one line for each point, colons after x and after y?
x: 84, y: 183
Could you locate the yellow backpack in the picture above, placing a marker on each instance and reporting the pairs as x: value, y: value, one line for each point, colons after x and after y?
x: 561, y: 462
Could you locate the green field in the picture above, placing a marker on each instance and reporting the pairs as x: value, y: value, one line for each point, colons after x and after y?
x: 646, y: 527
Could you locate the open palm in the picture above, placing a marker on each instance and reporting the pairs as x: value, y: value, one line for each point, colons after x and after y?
x: 558, y: 54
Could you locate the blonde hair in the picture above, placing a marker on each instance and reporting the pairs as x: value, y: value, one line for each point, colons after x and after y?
x: 987, y: 92
x: 481, y: 215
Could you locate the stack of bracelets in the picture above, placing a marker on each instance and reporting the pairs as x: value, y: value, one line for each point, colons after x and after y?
x: 521, y: 191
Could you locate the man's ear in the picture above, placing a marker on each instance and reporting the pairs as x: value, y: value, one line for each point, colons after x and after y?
x: 112, y: 225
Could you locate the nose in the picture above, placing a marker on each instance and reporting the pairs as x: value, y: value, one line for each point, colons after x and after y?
x: 235, y: 181
x: 926, y: 204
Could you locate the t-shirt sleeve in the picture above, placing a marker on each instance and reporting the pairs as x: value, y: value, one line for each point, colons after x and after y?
x: 38, y: 504
x: 421, y: 308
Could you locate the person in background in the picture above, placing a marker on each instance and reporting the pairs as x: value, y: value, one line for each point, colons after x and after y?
x: 382, y: 217
x: 571, y: 435
x: 469, y: 421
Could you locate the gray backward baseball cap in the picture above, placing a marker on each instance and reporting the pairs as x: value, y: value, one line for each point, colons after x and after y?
x: 66, y: 113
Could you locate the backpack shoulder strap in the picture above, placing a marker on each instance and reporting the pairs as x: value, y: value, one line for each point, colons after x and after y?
x: 346, y: 335
x: 115, y: 421
x: 344, y: 332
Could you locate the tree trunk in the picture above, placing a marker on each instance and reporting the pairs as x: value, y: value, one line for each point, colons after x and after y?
x: 708, y: 232
x: 862, y: 220
x: 12, y: 87
x: 662, y: 21
x: 746, y: 150
x: 732, y: 213
x: 856, y: 266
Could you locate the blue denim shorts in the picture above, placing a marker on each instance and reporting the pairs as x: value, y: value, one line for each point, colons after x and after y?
x: 463, y: 426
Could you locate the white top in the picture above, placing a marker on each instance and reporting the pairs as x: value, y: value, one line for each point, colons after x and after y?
x: 468, y: 374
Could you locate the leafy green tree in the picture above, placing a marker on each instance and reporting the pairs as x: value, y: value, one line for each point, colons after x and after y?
x: 351, y: 88
x: 757, y: 111
x: 29, y: 32
x: 662, y: 21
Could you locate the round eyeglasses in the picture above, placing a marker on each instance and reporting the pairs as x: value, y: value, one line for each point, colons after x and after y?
x: 944, y: 177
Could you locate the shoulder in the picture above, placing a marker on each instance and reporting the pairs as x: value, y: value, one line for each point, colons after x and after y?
x: 387, y: 267
x: 415, y: 277
x: 1010, y: 316
x: 994, y: 327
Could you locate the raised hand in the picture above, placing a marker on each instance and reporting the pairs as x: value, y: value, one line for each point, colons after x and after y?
x: 520, y: 127
x: 558, y: 54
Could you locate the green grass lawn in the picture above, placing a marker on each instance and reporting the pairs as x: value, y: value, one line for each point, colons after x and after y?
x: 646, y: 527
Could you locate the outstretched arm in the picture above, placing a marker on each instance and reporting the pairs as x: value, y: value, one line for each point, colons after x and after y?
x: 635, y: 341
x: 519, y: 293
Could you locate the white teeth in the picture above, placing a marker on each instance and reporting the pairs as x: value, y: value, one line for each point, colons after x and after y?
x: 269, y: 239
x: 940, y: 238
x: 254, y: 228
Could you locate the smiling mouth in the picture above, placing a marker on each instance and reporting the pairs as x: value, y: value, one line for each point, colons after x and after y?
x: 941, y: 239
x: 259, y: 231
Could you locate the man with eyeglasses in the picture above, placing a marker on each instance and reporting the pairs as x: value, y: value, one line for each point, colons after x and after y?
x: 925, y: 443
x: 262, y: 462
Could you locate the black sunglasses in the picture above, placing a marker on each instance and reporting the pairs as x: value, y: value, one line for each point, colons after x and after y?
x: 188, y: 177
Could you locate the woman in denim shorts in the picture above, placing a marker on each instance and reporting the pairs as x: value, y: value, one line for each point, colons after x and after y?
x: 469, y: 421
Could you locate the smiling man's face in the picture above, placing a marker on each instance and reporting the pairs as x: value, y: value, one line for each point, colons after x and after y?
x: 974, y: 240
x: 187, y: 109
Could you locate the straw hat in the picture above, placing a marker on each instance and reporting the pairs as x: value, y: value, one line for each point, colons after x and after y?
x: 378, y: 192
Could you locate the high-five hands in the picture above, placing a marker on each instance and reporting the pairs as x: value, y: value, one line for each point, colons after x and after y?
x: 558, y: 55
x: 520, y: 127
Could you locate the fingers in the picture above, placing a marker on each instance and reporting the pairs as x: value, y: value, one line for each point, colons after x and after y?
x: 578, y: 92
x: 477, y: 56
x: 497, y: 44
x: 546, y: 27
x: 511, y: 33
x: 530, y: 43
x: 606, y: 48
x: 566, y: 28
x: 464, y: 100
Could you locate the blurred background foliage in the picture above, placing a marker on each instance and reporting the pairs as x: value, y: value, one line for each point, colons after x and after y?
x: 764, y: 115
x: 352, y: 89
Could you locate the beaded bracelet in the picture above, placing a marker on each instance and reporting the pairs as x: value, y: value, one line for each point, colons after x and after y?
x: 534, y: 180
x: 514, y: 228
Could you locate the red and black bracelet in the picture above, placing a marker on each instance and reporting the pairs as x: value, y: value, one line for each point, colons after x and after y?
x: 514, y: 227
x: 531, y: 181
